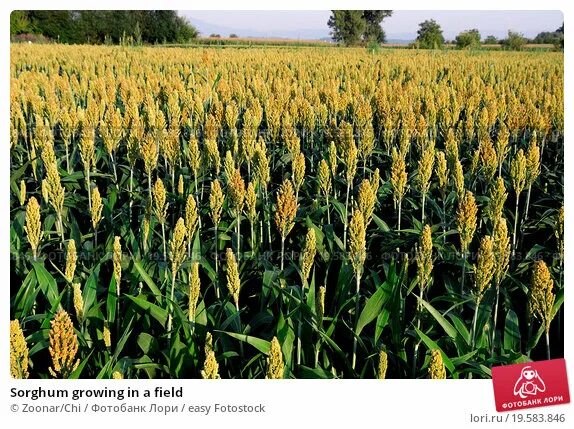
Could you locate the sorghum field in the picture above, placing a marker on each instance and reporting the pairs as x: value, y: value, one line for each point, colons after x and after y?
x: 284, y: 213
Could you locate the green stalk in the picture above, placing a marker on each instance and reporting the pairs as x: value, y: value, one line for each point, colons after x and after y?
x: 358, y: 285
x: 238, y: 237
x: 169, y: 316
x: 328, y: 214
x: 473, y: 330
x: 163, y: 237
x: 215, y: 228
x: 399, y: 217
x: 418, y: 343
x: 463, y: 270
x: 527, y: 203
x: 515, y: 226
x: 423, y: 208
x: 113, y: 165
x: 68, y: 159
x: 346, y: 217
x: 240, y: 328
x: 282, y: 250
x: 495, y: 317
x: 88, y: 189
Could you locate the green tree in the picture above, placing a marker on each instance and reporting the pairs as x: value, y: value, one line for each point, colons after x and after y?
x: 100, y: 26
x: 468, y: 39
x: 374, y: 20
x: 348, y: 26
x: 490, y: 40
x: 430, y: 35
x: 352, y: 27
x: 514, y: 41
x: 19, y: 22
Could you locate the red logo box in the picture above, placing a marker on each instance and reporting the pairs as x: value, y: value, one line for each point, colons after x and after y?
x: 530, y: 385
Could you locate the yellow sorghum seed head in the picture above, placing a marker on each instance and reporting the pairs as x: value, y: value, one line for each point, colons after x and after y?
x: 436, y: 366
x: 484, y: 268
x: 159, y: 197
x: 106, y: 335
x: 286, y: 208
x: 177, y: 245
x: 541, y: 299
x: 298, y: 166
x: 22, y: 196
x: 424, y: 257
x: 333, y: 158
x: 210, y: 369
x: 194, y: 155
x: 236, y: 191
x: 497, y: 198
x: 357, y: 242
x: 97, y: 207
x: 375, y: 181
x: 458, y: 178
x: 275, y: 365
x: 351, y: 162
x: 425, y: 167
x: 441, y: 169
x: 117, y: 261
x: 251, y: 202
x: 18, y: 351
x: 518, y: 172
x: 216, y: 199
x: 501, y: 144
x: 383, y: 364
x: 116, y: 375
x: 324, y: 177
x: 366, y: 200
x: 145, y: 227
x: 398, y: 176
x: 559, y: 231
x: 320, y: 303
x: 45, y: 192
x: 451, y: 147
x: 212, y: 152
x: 191, y: 217
x: 466, y: 219
x: 228, y: 166
x: 56, y: 193
x: 261, y: 164
x: 308, y: 254
x: 149, y: 152
x: 501, y: 249
x: 33, y: 225
x: 71, y: 259
x: 532, y: 161
x: 180, y: 185
x: 194, y: 287
x: 488, y: 159
x: 78, y: 302
x: 63, y: 345
x: 87, y: 150
x: 233, y: 281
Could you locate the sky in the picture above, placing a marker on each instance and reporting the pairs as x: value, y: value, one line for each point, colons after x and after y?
x: 402, y: 25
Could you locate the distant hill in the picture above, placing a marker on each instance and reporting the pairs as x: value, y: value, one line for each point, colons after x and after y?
x: 207, y: 28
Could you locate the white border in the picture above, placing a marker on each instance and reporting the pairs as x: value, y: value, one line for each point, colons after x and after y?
x: 338, y: 403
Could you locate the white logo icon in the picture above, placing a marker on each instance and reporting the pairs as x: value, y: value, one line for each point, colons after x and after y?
x: 529, y: 383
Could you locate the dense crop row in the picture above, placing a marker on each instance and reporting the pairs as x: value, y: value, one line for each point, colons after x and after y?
x: 278, y: 213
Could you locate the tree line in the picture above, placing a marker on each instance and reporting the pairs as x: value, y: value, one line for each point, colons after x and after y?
x: 104, y: 26
x: 356, y: 27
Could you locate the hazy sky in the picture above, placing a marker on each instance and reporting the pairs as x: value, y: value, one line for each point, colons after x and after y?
x: 403, y: 24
